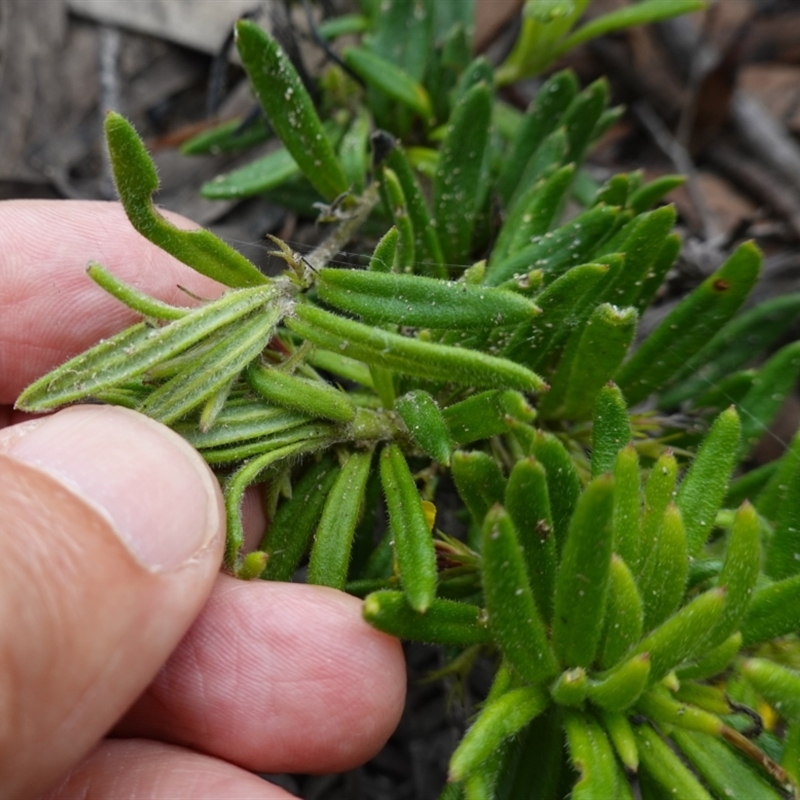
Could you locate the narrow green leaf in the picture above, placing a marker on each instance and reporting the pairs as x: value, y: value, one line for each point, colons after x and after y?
x: 289, y: 533
x: 528, y: 504
x: 563, y: 483
x: 255, y: 178
x: 354, y: 150
x: 403, y: 32
x: 647, y: 196
x: 622, y: 687
x: 624, y: 616
x: 404, y: 259
x: 364, y: 539
x: 608, y: 119
x: 227, y: 137
x: 592, y: 756
x: 252, y: 566
x: 445, y: 622
x: 407, y: 355
x: 660, y: 706
x: 773, y: 384
x: 413, y: 544
x: 779, y: 686
x: 497, y: 721
x: 703, y: 488
x: 665, y: 768
x: 345, y: 25
x: 790, y: 760
x: 545, y: 23
x: 385, y: 253
x: 750, y: 485
x: 642, y: 248
x: 546, y: 159
x: 689, y: 326
x: 774, y: 611
x: 238, y: 452
x: 456, y: 54
x: 532, y: 214
x: 425, y: 423
x: 391, y: 80
x: 590, y: 358
x: 714, y: 661
x: 569, y: 688
x: 479, y: 482
x: 739, y: 573
x: 627, y: 505
x: 535, y: 768
x: 583, y: 575
x: 731, y: 390
x: 582, y: 116
x: 134, y: 351
x: 235, y: 486
x: 314, y: 398
x: 683, y: 634
x: 459, y: 173
x: 721, y: 768
x: 611, y: 430
x: 452, y: 791
x: 663, y: 578
x: 240, y: 423
x: 658, y: 270
x: 486, y: 414
x: 477, y: 71
x: 773, y: 497
x: 289, y: 109
x: 659, y: 492
x: 614, y: 192
x: 733, y: 347
x: 427, y: 240
x: 136, y: 180
x: 195, y: 384
x: 383, y: 380
x: 132, y: 297
x: 414, y: 300
x: 330, y: 553
x: 557, y: 251
x: 513, y: 616
x: 213, y: 405
x: 642, y: 13
x: 541, y: 118
x: 782, y: 557
x: 564, y: 303
x: 620, y: 733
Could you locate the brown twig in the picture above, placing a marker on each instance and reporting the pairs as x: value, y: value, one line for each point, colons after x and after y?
x: 683, y: 162
x: 753, y: 177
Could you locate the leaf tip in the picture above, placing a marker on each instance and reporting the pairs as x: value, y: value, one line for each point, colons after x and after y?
x: 371, y: 607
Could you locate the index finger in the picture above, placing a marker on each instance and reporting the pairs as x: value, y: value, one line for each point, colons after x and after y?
x: 49, y: 309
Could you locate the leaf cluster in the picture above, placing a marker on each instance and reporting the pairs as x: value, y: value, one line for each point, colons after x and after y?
x: 640, y: 596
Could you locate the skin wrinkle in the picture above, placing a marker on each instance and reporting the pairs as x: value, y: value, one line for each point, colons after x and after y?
x: 289, y: 714
x: 144, y: 451
x: 158, y: 770
x: 48, y: 601
x: 49, y: 604
x: 48, y: 592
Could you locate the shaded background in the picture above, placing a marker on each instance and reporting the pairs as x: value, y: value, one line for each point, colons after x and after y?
x: 715, y: 96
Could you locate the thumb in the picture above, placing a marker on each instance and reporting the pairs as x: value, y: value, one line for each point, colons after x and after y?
x: 111, y: 529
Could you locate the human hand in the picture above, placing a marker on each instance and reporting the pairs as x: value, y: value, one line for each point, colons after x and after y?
x: 112, y: 530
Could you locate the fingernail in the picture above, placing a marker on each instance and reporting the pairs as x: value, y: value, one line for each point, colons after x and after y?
x: 161, y: 499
